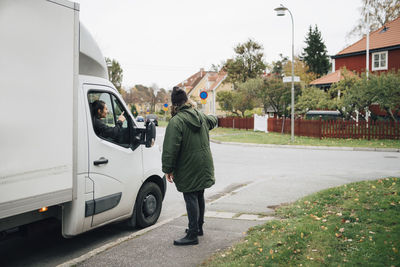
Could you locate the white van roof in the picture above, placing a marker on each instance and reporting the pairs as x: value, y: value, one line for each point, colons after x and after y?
x: 91, y: 60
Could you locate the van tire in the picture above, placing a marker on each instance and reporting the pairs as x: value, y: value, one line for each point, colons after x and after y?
x: 149, y: 204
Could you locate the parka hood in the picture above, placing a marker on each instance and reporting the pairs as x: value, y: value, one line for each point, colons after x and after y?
x: 190, y: 116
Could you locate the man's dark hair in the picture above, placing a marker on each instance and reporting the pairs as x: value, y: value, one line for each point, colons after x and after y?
x: 96, y: 105
x: 178, y: 96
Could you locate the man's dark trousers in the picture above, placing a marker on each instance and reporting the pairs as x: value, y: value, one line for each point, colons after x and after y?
x: 195, y: 206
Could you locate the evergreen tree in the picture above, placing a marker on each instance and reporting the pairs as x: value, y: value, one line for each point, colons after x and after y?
x: 134, y: 110
x: 114, y: 73
x: 314, y: 54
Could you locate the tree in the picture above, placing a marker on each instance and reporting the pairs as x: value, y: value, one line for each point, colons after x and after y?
x: 248, y: 63
x: 301, y: 70
x: 315, y: 53
x: 162, y: 96
x: 312, y: 98
x: 114, y: 73
x: 225, y: 100
x: 342, y: 94
x: 380, y: 13
x: 384, y: 89
x: 134, y: 110
x: 277, y: 66
x: 235, y: 101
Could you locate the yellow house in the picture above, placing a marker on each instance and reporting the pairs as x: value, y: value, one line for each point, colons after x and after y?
x: 210, y: 82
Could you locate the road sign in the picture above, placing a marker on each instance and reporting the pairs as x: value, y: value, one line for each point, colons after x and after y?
x: 203, y: 101
x: 203, y: 95
x: 288, y: 79
x: 165, y: 108
x: 166, y: 105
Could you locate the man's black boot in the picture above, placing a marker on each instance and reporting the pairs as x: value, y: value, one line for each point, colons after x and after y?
x: 200, y: 233
x: 189, y: 239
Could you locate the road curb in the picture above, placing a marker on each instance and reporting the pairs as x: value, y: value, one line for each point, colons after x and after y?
x: 374, y: 149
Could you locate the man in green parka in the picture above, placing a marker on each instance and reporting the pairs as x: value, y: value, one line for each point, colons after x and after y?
x: 187, y: 160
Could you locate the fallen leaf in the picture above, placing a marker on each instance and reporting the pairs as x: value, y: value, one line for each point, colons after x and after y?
x: 341, y: 230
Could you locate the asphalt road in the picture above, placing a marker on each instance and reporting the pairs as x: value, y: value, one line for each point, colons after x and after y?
x: 265, y: 175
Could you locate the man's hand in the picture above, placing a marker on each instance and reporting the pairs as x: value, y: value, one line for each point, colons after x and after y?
x: 170, y: 177
x: 122, y: 117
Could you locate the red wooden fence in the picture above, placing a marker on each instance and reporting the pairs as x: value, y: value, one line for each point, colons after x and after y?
x: 322, y: 129
x: 237, y: 123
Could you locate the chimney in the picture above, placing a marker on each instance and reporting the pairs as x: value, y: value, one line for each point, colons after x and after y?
x: 201, y: 72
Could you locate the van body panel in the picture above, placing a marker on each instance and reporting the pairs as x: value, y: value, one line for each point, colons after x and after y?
x: 37, y: 84
x: 48, y: 146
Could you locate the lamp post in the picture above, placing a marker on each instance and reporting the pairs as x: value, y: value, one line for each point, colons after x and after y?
x: 280, y: 11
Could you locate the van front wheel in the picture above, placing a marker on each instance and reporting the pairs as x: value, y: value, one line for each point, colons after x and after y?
x: 149, y: 203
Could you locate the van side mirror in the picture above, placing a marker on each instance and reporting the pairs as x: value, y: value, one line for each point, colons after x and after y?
x: 150, y: 134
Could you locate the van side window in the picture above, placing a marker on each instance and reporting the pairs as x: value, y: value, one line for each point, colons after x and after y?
x: 105, y: 110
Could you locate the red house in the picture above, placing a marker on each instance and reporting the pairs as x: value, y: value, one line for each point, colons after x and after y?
x: 384, y: 55
x: 384, y: 51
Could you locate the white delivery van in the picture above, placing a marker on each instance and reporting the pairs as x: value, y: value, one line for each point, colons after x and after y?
x: 52, y: 162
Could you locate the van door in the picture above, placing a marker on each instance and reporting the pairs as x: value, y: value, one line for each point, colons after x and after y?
x: 115, y: 166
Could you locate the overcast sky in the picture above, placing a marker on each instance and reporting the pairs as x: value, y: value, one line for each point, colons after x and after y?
x: 165, y: 41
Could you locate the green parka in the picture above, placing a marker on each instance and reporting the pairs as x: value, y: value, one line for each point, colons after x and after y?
x: 186, y: 149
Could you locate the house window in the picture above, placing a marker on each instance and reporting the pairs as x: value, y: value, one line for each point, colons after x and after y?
x: 380, y: 61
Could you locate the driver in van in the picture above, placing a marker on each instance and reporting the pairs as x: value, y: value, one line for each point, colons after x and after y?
x: 100, y: 111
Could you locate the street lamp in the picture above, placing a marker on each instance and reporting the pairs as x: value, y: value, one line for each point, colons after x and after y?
x: 280, y: 11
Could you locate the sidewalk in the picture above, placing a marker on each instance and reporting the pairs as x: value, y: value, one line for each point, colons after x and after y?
x: 155, y: 248
x: 339, y: 148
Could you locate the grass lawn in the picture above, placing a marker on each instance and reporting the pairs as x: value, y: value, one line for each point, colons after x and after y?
x: 356, y: 224
x: 249, y: 136
x: 162, y: 123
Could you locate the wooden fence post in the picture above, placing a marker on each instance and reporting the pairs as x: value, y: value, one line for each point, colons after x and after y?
x: 320, y: 127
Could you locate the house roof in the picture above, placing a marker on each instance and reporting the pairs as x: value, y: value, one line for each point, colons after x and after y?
x: 386, y: 36
x: 216, y: 80
x: 193, y: 80
x: 330, y: 78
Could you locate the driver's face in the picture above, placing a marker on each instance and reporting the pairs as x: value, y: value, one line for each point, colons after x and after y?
x: 103, y: 113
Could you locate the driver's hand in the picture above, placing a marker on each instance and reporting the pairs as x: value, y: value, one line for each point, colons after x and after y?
x: 122, y: 117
